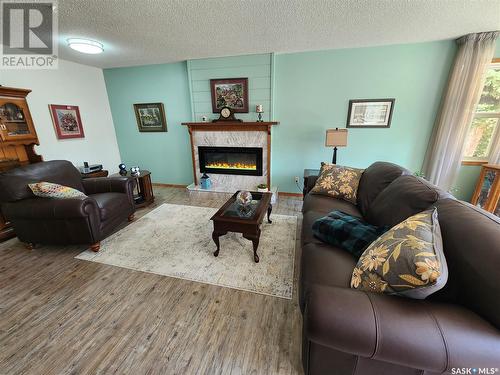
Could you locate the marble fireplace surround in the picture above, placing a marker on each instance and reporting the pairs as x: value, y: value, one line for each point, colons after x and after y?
x: 232, y: 134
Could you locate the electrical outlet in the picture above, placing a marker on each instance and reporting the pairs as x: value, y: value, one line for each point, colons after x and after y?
x: 296, y: 179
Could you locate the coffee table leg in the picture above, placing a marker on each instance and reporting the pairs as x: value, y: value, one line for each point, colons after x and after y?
x: 269, y: 210
x: 215, y: 237
x: 255, y: 243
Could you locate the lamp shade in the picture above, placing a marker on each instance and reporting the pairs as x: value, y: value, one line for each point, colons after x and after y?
x: 336, y: 138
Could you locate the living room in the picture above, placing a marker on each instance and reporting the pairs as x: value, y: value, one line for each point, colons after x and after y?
x: 250, y: 187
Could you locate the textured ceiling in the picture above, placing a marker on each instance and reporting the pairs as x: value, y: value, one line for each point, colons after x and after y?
x: 137, y: 32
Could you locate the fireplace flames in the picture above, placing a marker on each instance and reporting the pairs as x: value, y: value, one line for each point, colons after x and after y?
x: 232, y: 166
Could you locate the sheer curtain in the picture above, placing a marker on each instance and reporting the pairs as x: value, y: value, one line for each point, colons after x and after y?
x: 446, y: 146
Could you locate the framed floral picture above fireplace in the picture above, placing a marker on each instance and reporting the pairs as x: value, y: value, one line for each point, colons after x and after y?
x: 230, y: 92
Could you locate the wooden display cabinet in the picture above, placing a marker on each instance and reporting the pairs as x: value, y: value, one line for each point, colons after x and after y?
x: 17, y: 138
x: 487, y: 192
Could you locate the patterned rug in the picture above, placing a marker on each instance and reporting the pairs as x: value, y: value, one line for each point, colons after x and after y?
x: 176, y: 241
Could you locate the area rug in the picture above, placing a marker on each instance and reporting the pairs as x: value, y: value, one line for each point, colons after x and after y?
x: 176, y: 241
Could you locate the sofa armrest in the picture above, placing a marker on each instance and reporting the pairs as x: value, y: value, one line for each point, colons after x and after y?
x: 97, y: 185
x: 108, y: 185
x: 46, y: 208
x: 415, y: 333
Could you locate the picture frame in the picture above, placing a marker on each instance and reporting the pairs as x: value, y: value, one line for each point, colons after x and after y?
x: 370, y: 113
x: 150, y: 117
x: 67, y: 121
x: 229, y: 92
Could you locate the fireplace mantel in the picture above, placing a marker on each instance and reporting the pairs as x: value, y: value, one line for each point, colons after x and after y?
x: 230, y: 126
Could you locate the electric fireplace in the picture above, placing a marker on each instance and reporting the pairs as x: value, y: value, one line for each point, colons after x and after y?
x: 245, y: 161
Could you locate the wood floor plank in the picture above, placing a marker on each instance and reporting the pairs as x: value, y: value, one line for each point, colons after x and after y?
x: 60, y: 315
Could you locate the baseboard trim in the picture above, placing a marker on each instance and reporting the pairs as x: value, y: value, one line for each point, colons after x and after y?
x: 286, y: 194
x: 282, y: 193
x: 168, y: 185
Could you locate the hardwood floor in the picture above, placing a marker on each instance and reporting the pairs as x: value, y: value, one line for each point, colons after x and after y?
x: 60, y: 315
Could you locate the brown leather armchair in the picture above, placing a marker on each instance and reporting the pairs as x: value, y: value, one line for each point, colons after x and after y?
x: 48, y: 221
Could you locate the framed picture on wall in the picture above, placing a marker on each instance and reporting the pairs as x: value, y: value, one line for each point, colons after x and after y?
x: 67, y: 121
x: 150, y: 117
x: 370, y: 113
x: 230, y: 92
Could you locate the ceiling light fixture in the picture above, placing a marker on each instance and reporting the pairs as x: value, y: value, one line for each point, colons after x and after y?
x: 85, y: 45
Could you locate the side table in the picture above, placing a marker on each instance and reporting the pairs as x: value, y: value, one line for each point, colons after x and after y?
x: 101, y: 173
x: 307, y: 174
x: 145, y: 195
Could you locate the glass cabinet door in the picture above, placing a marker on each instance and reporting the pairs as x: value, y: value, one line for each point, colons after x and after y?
x: 15, y: 121
x: 486, y: 188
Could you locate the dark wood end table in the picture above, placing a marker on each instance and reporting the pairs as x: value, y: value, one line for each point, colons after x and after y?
x: 145, y: 194
x: 230, y: 218
x: 101, y: 173
x: 307, y: 174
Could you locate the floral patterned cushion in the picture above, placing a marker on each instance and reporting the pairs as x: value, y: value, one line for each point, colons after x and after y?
x: 50, y: 190
x: 338, y: 182
x: 407, y: 260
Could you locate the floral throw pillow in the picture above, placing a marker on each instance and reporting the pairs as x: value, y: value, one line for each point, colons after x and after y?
x: 338, y: 182
x: 50, y: 190
x: 407, y: 260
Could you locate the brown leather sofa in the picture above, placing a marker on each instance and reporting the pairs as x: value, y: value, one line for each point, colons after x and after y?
x: 65, y: 221
x: 346, y: 331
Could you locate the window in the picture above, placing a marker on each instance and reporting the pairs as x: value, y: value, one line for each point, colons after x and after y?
x: 486, y: 123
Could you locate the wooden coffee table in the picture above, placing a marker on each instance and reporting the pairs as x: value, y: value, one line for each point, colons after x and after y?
x: 230, y: 218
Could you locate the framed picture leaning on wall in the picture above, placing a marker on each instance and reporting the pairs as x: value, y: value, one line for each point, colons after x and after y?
x: 370, y: 113
x: 150, y: 117
x: 230, y: 92
x: 67, y: 121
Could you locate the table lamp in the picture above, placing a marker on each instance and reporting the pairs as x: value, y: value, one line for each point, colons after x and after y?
x: 336, y: 138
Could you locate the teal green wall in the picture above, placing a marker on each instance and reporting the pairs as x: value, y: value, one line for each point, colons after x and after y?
x: 312, y: 91
x: 466, y: 182
x: 257, y: 68
x: 309, y: 93
x: 167, y: 155
x: 468, y: 174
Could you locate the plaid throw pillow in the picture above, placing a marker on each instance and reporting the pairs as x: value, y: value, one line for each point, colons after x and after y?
x: 347, y: 232
x: 49, y: 190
